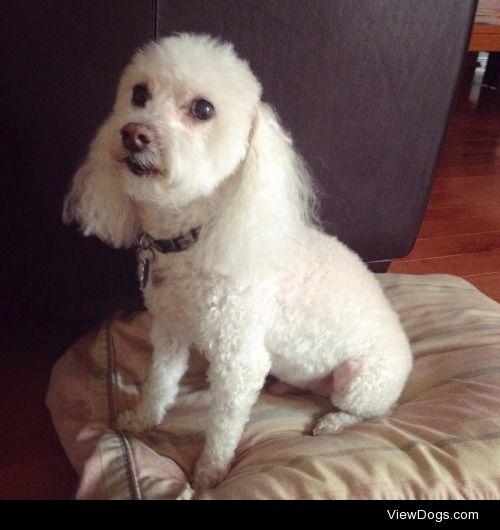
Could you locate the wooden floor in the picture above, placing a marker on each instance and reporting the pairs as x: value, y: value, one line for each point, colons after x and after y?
x: 460, y: 233
x: 32, y: 462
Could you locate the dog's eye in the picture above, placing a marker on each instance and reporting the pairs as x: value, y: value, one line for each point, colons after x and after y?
x: 140, y: 95
x: 202, y: 109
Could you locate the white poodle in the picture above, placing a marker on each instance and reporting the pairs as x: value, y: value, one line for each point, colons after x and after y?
x: 196, y: 171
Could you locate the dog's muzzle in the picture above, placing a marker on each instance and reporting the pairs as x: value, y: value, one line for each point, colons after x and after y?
x: 138, y: 139
x: 139, y: 167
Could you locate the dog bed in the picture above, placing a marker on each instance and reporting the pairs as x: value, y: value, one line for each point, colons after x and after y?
x: 442, y: 440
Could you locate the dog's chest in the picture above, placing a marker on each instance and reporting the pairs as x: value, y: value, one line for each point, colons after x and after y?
x: 181, y: 294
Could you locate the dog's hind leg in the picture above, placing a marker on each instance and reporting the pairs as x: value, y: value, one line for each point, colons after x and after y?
x: 343, y: 376
x: 362, y: 390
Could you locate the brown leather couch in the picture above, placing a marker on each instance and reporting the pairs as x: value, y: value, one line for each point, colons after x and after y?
x: 365, y: 86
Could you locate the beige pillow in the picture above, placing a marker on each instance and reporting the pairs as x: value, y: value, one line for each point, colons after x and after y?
x: 442, y: 440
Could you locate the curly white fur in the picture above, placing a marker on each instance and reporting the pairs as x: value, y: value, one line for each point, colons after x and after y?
x: 263, y: 290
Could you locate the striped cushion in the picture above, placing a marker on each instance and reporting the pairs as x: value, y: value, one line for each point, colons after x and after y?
x: 442, y: 441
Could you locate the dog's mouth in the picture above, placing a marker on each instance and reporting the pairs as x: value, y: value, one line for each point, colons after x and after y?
x: 139, y: 167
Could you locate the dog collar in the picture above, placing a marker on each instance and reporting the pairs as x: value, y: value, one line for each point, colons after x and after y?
x: 147, y: 246
x: 146, y: 241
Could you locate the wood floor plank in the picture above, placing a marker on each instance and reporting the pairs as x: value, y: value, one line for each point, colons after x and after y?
x: 463, y: 210
x: 453, y: 227
x: 478, y: 152
x: 464, y: 265
x: 467, y: 171
x: 489, y: 284
x: 440, y: 247
x: 484, y: 183
x: 471, y: 159
x: 445, y: 199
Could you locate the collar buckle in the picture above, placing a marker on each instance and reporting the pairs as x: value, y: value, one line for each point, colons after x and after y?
x: 144, y: 242
x: 184, y: 241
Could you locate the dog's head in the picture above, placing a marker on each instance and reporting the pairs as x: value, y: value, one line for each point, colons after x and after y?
x: 180, y: 125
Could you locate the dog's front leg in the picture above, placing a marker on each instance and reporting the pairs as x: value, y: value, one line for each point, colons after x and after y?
x: 235, y: 383
x: 170, y: 357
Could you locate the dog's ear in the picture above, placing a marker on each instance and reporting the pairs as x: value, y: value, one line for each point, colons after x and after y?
x: 272, y: 157
x: 273, y: 196
x: 96, y: 200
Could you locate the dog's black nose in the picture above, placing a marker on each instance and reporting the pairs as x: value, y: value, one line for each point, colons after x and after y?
x: 136, y: 137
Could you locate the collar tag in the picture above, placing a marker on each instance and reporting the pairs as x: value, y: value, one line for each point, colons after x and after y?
x: 145, y: 257
x: 144, y: 266
x: 147, y: 246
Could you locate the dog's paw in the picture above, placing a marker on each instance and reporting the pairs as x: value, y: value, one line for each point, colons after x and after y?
x: 137, y: 420
x: 334, y: 422
x: 185, y: 494
x: 207, y: 475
